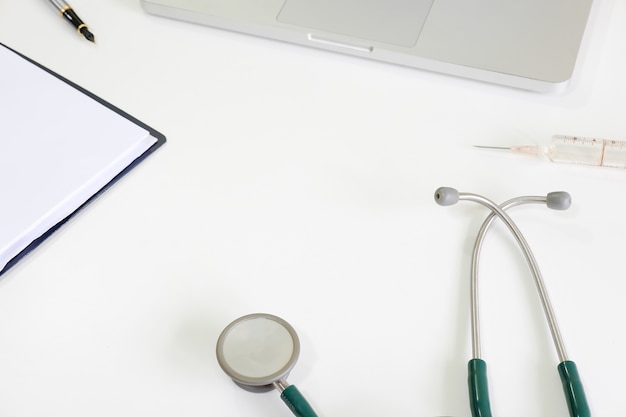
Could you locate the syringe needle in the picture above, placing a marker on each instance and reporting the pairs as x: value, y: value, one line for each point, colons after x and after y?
x: 525, y: 149
x: 504, y: 148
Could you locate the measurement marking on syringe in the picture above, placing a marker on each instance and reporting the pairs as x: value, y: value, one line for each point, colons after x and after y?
x: 603, y: 149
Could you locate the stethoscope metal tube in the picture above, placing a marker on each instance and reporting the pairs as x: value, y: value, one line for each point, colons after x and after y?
x: 497, y: 211
x: 475, y: 321
x: 477, y: 379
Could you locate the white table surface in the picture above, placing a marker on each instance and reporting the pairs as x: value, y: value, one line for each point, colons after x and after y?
x: 300, y: 183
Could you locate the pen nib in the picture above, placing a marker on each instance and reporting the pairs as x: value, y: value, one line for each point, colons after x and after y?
x: 88, y: 35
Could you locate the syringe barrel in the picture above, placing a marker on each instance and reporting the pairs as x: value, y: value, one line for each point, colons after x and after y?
x: 587, y: 151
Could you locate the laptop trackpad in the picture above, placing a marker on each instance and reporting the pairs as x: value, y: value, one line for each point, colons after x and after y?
x: 396, y: 22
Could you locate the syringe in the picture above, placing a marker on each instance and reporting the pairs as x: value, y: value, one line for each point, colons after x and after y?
x: 577, y: 150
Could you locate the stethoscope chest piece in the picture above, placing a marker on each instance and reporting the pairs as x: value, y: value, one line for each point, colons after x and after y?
x: 257, y: 351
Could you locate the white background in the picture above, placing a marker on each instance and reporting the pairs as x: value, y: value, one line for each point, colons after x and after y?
x: 300, y: 183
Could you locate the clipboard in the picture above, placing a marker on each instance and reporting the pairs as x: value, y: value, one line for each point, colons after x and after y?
x: 39, y: 194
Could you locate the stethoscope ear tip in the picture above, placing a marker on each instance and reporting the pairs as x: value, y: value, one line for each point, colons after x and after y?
x: 446, y: 196
x: 559, y: 200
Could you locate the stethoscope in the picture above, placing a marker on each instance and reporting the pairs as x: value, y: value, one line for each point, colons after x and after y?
x: 477, y: 368
x: 258, y: 351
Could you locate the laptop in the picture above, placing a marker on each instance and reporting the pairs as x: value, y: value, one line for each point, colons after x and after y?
x: 527, y: 44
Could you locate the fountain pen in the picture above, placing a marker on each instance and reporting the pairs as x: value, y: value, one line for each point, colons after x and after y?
x: 70, y: 15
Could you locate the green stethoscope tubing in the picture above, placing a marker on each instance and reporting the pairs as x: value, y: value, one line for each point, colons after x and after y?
x: 477, y: 368
x: 296, y: 402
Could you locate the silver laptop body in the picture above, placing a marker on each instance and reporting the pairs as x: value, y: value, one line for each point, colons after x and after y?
x: 528, y: 44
